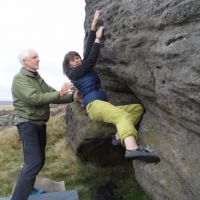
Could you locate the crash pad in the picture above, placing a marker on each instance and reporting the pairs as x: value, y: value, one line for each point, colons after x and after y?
x: 67, y: 195
x: 50, y: 185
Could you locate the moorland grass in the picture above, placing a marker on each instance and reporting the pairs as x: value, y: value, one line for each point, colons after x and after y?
x: 63, y: 164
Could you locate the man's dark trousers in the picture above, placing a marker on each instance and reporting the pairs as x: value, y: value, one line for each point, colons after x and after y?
x: 33, y: 138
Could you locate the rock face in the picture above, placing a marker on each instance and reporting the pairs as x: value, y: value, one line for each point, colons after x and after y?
x: 152, y: 49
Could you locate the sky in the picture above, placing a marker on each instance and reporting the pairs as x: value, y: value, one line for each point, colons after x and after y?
x: 50, y: 27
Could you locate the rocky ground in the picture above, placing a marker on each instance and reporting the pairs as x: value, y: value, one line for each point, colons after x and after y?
x: 6, y: 116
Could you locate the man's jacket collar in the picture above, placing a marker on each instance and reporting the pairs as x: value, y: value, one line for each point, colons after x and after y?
x: 29, y: 73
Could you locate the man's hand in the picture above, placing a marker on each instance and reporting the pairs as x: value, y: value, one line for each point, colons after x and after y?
x: 66, y: 88
x: 95, y: 20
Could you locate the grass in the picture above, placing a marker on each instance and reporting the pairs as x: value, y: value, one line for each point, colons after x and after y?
x: 63, y: 164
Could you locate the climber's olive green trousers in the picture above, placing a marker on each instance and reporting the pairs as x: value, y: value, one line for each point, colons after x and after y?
x: 123, y: 117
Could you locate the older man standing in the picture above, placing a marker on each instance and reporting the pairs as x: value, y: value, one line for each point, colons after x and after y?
x: 31, y: 99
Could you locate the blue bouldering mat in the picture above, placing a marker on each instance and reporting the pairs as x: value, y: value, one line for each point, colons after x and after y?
x: 67, y: 195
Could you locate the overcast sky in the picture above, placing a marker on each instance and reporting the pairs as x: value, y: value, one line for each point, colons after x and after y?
x: 50, y: 27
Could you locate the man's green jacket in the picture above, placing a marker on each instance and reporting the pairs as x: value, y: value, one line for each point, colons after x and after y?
x: 32, y: 96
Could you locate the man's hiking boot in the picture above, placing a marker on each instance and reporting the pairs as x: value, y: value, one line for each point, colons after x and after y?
x: 37, y: 191
x: 142, y: 154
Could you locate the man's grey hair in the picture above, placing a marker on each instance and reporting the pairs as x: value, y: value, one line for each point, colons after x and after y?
x: 23, y: 55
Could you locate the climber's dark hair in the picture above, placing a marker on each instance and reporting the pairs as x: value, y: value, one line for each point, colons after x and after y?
x: 70, y: 55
